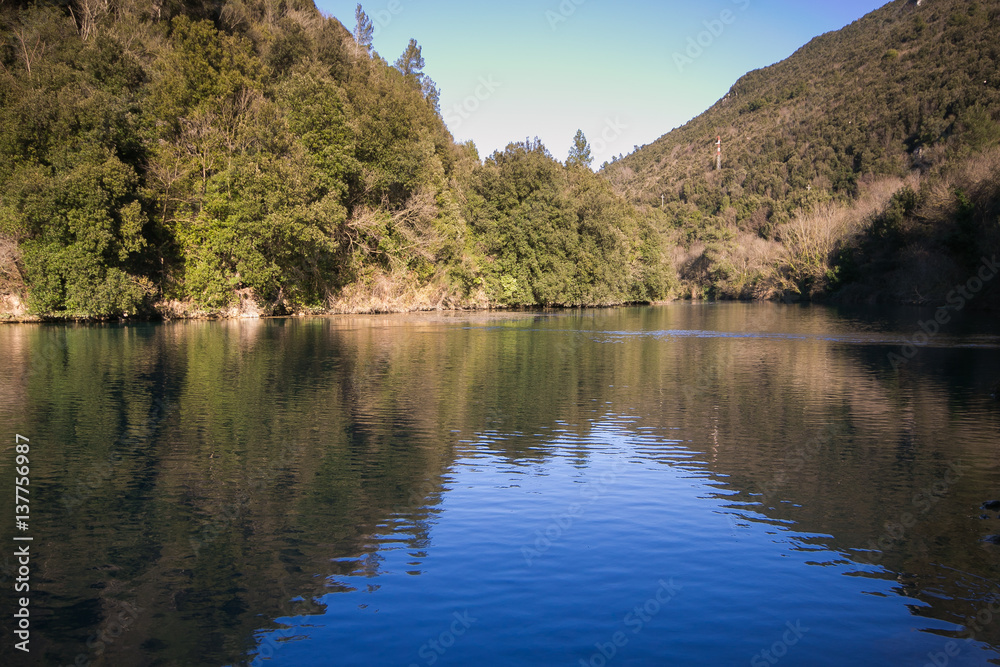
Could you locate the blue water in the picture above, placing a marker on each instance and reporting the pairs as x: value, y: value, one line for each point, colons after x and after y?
x: 619, y: 533
x: 689, y: 484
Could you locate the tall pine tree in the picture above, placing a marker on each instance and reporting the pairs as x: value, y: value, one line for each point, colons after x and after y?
x: 411, y: 63
x: 579, y: 153
x: 364, y: 32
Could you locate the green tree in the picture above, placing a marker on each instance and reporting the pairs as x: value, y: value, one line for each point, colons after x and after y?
x: 397, y: 136
x: 431, y: 93
x: 364, y: 31
x: 257, y: 156
x: 559, y: 235
x: 72, y: 156
x: 981, y: 131
x: 411, y: 63
x: 579, y: 153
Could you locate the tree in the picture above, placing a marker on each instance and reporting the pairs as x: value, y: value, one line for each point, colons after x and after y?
x: 149, y: 163
x: 431, y: 93
x: 411, y: 62
x: 410, y: 65
x: 579, y: 153
x: 364, y: 32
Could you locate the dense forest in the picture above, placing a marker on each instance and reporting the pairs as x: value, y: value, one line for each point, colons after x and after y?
x: 255, y: 157
x: 259, y: 157
x: 863, y: 167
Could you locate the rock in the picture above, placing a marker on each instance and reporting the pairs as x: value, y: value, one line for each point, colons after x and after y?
x: 993, y: 505
x: 984, y: 516
x: 992, y: 539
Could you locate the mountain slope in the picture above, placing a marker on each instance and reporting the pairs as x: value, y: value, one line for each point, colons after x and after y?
x: 882, y: 96
x: 906, y: 93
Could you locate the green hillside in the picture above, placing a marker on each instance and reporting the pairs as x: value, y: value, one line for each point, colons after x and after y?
x: 184, y: 158
x: 905, y: 100
x: 256, y: 157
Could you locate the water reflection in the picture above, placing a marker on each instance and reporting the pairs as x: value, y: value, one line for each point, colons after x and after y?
x: 361, y: 480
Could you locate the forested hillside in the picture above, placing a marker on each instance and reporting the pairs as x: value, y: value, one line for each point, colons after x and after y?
x: 255, y: 157
x: 864, y: 166
x: 184, y: 158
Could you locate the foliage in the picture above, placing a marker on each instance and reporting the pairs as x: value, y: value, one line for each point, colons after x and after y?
x: 364, y: 31
x: 906, y: 90
x: 223, y: 152
x: 411, y: 65
x: 557, y: 235
x: 72, y: 160
x: 579, y: 152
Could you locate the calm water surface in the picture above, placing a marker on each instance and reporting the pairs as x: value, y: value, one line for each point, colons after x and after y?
x: 688, y: 484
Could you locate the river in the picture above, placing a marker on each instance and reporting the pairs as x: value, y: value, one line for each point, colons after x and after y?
x: 684, y: 484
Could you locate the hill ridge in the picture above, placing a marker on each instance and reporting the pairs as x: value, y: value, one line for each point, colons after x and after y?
x: 905, y: 91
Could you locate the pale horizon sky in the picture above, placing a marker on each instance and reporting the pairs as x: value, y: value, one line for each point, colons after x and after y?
x: 625, y: 73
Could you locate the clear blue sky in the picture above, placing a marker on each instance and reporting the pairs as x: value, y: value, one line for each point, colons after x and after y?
x: 628, y: 70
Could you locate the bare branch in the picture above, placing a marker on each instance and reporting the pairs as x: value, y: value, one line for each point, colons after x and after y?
x: 35, y: 51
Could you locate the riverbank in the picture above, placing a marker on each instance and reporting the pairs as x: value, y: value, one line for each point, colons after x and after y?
x: 13, y: 310
x: 979, y: 296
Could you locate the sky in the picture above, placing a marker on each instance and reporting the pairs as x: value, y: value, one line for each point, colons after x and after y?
x: 624, y: 72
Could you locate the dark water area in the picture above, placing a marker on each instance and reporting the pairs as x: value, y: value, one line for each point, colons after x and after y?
x: 695, y: 484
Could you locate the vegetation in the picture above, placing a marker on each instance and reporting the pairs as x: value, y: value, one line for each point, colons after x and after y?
x: 863, y: 166
x: 253, y: 155
x: 579, y: 152
x: 560, y: 235
x: 258, y: 156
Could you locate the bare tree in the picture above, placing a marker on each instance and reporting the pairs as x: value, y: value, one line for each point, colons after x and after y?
x: 30, y: 50
x: 91, y: 12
